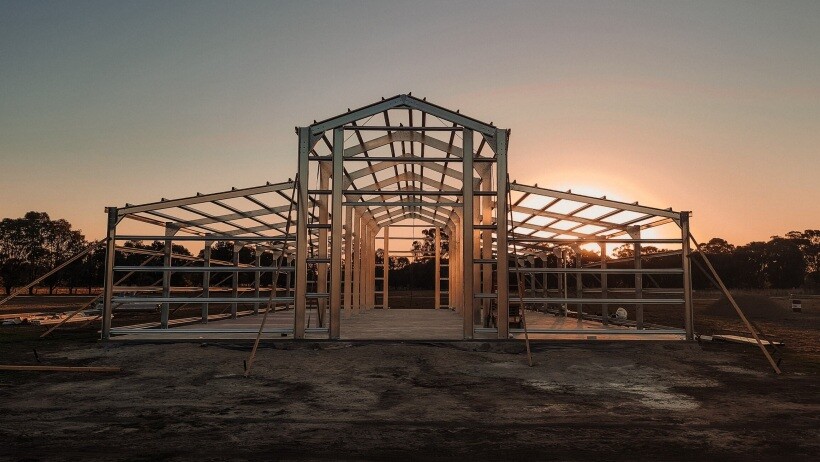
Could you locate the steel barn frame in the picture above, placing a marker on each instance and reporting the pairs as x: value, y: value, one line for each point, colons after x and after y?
x: 363, y: 173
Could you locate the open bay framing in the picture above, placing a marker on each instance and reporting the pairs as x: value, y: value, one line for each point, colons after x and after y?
x: 379, y: 168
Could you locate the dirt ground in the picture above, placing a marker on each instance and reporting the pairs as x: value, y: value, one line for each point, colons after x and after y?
x: 401, y: 401
x: 418, y: 401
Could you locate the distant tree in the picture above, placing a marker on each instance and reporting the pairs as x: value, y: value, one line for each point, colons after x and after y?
x: 426, y: 247
x: 750, y: 264
x: 627, y: 251
x: 223, y: 251
x: 716, y: 246
x: 15, y: 273
x: 785, y: 267
x: 32, y: 245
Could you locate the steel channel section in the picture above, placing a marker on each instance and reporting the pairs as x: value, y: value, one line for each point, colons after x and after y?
x: 357, y: 260
x: 386, y: 270
x: 206, y: 281
x: 604, y: 286
x: 257, y: 276
x: 476, y: 255
x: 467, y: 236
x: 300, y: 303
x: 208, y: 237
x: 348, y: 283
x: 635, y: 233
x: 235, y: 280
x: 108, y: 283
x: 688, y: 312
x: 336, y: 236
x: 437, y: 277
x: 502, y: 267
x: 166, y: 275
x: 321, y: 266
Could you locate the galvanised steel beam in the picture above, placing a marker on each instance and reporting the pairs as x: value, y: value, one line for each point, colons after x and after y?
x: 200, y: 198
x: 595, y: 201
x: 401, y: 101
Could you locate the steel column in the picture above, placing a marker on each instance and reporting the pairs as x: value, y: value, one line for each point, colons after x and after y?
x: 170, y: 230
x: 321, y: 268
x: 635, y: 233
x: 688, y: 312
x: 108, y: 283
x: 437, y: 280
x: 348, y: 292
x: 206, y: 280
x: 386, y: 270
x: 235, y: 279
x: 302, y: 237
x: 467, y: 236
x: 257, y: 276
x: 336, y: 235
x: 501, y: 233
x: 604, y: 286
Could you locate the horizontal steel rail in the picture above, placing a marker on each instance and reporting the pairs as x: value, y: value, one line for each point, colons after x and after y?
x: 401, y: 192
x: 401, y: 128
x: 203, y: 269
x: 172, y: 331
x: 403, y: 159
x: 627, y: 331
x: 600, y: 270
x: 402, y: 204
x: 581, y: 241
x: 211, y: 237
x: 600, y: 301
x: 201, y: 299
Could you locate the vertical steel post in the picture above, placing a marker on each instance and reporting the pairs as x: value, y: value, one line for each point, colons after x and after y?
x: 302, y: 237
x: 364, y: 297
x: 108, y: 282
x: 437, y: 280
x: 371, y: 279
x: 486, y: 244
x: 688, y: 312
x: 357, y: 262
x: 635, y: 233
x: 386, y: 269
x: 336, y: 235
x: 579, y: 285
x: 467, y: 234
x: 206, y: 281
x: 348, y: 292
x: 257, y: 276
x: 544, y: 282
x: 476, y: 254
x: 321, y: 268
x: 166, y: 275
x: 604, y: 286
x: 237, y: 247
x: 453, y: 285
x: 501, y: 233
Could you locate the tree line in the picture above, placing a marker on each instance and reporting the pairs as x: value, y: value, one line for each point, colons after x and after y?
x: 783, y: 262
x: 32, y: 245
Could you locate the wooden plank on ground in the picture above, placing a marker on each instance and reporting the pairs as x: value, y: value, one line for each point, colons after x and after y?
x: 44, y: 368
x: 739, y: 339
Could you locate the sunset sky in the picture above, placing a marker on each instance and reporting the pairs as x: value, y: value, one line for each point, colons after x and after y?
x: 706, y: 106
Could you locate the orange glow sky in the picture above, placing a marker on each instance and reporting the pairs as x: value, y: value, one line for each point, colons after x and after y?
x: 706, y: 106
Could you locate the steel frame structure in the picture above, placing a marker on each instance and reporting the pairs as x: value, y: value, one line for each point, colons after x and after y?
x: 368, y: 170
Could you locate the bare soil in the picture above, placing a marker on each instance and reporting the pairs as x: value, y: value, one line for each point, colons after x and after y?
x: 403, y: 401
x: 418, y: 401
